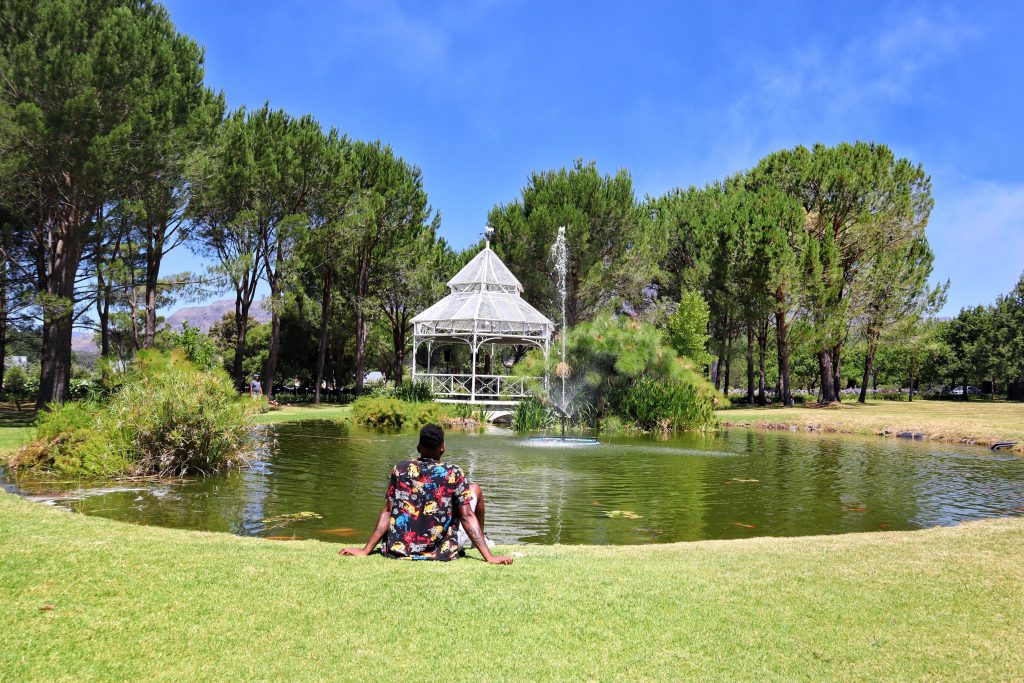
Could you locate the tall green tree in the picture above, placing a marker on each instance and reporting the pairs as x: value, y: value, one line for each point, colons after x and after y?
x: 612, y: 255
x: 393, y: 211
x: 90, y: 90
x: 895, y: 291
x: 860, y: 201
x: 409, y: 280
x: 252, y: 192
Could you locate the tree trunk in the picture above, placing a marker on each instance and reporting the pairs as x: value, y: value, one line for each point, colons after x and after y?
x: 762, y: 350
x: 55, y: 371
x: 837, y: 373
x: 782, y: 345
x: 869, y: 362
x: 398, y: 339
x: 910, y: 392
x: 828, y: 390
x: 241, y: 331
x: 728, y: 364
x: 152, y: 282
x: 321, y: 352
x: 270, y: 367
x: 3, y: 319
x: 60, y: 269
x: 750, y: 364
x: 104, y: 315
x: 362, y: 285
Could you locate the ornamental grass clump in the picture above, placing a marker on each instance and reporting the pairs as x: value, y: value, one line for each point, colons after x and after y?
x: 168, y: 419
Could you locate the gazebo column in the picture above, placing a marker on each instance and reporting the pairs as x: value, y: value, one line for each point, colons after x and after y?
x: 472, y: 378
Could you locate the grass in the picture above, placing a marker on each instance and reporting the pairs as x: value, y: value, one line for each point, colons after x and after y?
x: 131, y: 602
x: 290, y: 413
x: 981, y: 422
x: 16, y: 428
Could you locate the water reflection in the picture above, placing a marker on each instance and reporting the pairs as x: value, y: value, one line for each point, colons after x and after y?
x: 737, y: 484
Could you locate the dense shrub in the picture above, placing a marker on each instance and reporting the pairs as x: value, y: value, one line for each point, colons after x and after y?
x: 610, y: 362
x: 394, y: 413
x: 198, y: 347
x: 168, y: 419
x: 16, y: 385
x: 71, y: 439
x: 419, y: 414
x: 180, y: 420
x: 666, y: 406
x: 373, y: 411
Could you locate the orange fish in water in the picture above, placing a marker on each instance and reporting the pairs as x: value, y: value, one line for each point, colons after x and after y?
x: 343, y: 531
x: 282, y: 538
x: 745, y: 526
x: 883, y: 525
x: 850, y: 509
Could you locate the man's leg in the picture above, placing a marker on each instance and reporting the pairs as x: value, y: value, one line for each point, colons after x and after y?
x: 480, y: 508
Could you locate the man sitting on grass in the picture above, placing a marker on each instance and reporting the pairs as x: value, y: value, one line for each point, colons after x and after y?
x: 431, y: 513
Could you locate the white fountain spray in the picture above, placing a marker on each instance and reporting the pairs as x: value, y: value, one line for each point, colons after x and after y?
x: 560, y: 255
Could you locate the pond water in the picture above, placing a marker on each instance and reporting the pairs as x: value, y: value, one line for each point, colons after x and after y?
x: 325, y: 481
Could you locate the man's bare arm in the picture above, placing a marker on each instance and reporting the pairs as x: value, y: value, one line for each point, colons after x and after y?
x: 383, y: 522
x: 471, y: 525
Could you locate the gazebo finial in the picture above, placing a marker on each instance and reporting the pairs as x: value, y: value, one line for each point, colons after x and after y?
x: 488, y: 231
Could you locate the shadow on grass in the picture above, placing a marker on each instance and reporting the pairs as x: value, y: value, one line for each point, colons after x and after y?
x: 10, y: 416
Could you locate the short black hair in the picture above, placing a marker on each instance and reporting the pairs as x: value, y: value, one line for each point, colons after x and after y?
x: 431, y: 436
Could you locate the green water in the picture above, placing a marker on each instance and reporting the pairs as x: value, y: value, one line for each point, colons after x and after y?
x: 738, y: 484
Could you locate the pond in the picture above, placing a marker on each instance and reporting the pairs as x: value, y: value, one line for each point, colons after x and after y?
x: 325, y: 481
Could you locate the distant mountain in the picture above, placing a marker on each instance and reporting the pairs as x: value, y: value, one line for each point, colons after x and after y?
x: 205, y: 317
x: 82, y: 343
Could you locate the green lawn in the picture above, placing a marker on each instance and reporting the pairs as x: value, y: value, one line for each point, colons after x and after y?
x: 131, y: 602
x: 981, y: 422
x: 303, y: 412
x: 15, y: 425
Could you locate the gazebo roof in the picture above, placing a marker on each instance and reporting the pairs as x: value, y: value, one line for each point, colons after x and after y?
x: 485, y: 271
x: 484, y: 300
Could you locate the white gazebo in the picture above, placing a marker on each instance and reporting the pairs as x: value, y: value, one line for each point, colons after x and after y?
x: 484, y: 310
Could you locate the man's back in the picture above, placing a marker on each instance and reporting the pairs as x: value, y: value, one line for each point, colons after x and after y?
x: 423, y: 495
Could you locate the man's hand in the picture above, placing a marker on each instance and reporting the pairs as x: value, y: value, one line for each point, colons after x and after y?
x: 354, y: 552
x: 499, y: 559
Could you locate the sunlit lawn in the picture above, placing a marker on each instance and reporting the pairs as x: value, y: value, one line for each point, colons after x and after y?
x: 15, y: 425
x: 985, y: 422
x: 306, y: 411
x: 132, y: 602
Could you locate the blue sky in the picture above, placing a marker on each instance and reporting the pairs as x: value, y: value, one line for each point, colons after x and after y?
x: 479, y: 94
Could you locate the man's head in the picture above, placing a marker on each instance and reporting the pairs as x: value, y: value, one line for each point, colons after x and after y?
x: 255, y: 375
x: 431, y: 443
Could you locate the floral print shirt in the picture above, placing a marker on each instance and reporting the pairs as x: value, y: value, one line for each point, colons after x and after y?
x: 423, y: 496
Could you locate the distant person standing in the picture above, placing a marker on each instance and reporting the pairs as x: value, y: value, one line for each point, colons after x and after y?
x: 255, y: 388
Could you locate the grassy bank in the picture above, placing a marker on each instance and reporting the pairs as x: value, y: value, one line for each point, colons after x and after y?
x: 308, y: 411
x: 137, y: 602
x: 981, y: 422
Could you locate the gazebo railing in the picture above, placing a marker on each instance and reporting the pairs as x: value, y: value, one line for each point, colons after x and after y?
x: 480, y: 387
